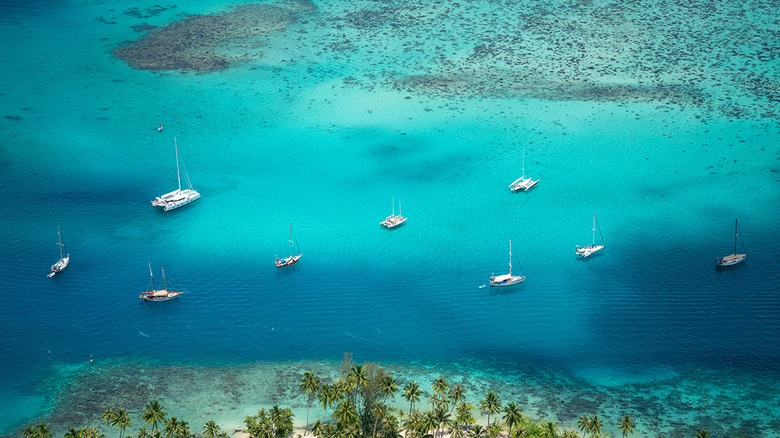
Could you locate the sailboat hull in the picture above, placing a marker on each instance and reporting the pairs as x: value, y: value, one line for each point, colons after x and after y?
x: 586, y: 251
x: 731, y: 260
x: 61, y: 264
x: 498, y: 282
x: 287, y: 261
x: 149, y: 297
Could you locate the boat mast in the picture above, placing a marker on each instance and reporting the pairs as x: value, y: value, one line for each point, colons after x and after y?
x: 165, y: 285
x: 523, y: 163
x: 152, y: 275
x: 399, y: 208
x: 736, y: 231
x: 510, y: 257
x: 291, y: 242
x: 178, y: 175
x: 393, y: 206
x: 61, y: 245
x: 593, y: 241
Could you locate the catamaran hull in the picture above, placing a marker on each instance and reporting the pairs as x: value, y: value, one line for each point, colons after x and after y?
x: 169, y: 205
x: 524, y: 185
x: 588, y: 250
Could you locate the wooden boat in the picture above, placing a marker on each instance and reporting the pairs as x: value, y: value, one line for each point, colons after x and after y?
x: 287, y: 261
x: 587, y: 250
x: 394, y: 220
x: 177, y: 198
x: 62, y: 263
x: 159, y: 295
x: 733, y: 259
x: 523, y: 183
x: 507, y: 279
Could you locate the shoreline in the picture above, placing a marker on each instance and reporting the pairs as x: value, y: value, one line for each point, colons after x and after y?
x: 228, y: 394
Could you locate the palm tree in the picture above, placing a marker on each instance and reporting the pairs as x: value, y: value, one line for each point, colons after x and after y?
x: 626, y: 425
x: 310, y: 384
x: 512, y: 416
x: 38, y: 431
x: 108, y: 420
x: 71, y: 433
x: 595, y: 425
x: 429, y: 422
x: 478, y: 431
x: 412, y: 393
x: 210, y: 429
x: 346, y: 414
x: 413, y: 425
x: 583, y: 424
x: 702, y: 434
x: 171, y: 427
x: 327, y: 395
x: 491, y: 404
x: 122, y: 421
x: 388, y: 387
x: 317, y: 428
x: 440, y: 387
x: 457, y: 395
x: 551, y: 429
x: 153, y: 414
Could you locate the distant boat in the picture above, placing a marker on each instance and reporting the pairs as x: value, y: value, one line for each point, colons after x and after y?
x: 586, y: 251
x: 523, y: 183
x: 287, y: 261
x: 731, y: 259
x: 177, y: 198
x: 507, y: 279
x: 394, y: 220
x: 159, y: 295
x: 62, y: 263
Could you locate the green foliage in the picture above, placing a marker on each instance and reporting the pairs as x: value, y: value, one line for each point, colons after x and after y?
x: 153, y: 414
x: 491, y: 404
x: 274, y: 423
x: 626, y: 424
x: 464, y: 414
x: 38, y: 431
x: 702, y: 434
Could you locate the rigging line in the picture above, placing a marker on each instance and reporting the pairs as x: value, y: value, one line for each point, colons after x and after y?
x: 743, y: 240
x: 599, y: 228
x: 296, y: 240
x: 518, y: 263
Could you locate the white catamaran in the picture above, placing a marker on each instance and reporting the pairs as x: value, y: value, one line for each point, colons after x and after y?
x: 287, y: 261
x: 62, y: 263
x: 394, y: 220
x: 733, y: 259
x: 177, y: 198
x: 523, y: 183
x: 507, y: 279
x: 587, y: 250
x: 159, y: 295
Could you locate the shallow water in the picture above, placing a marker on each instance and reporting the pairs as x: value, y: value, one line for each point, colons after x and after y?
x: 323, y: 125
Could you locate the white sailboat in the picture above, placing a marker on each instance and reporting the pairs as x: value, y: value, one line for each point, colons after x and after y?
x: 733, y: 259
x: 62, y: 263
x: 287, y: 261
x: 523, y: 183
x: 394, y: 220
x: 177, y: 198
x: 507, y: 279
x: 586, y: 251
x: 159, y: 295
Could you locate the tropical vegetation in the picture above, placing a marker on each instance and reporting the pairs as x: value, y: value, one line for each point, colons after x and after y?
x: 361, y: 398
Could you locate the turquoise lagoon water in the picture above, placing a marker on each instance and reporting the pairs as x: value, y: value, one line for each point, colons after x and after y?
x: 323, y: 125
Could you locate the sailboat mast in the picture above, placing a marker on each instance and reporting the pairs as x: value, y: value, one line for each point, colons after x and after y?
x: 523, y: 162
x: 178, y: 175
x: 291, y: 241
x: 593, y: 241
x: 152, y: 276
x: 393, y: 206
x: 165, y: 284
x: 59, y: 234
x: 510, y: 257
x: 399, y: 208
x: 736, y: 231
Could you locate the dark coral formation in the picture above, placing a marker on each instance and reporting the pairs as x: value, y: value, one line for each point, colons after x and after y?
x: 193, y: 43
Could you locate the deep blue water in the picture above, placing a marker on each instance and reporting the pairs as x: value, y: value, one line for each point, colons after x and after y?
x: 268, y: 144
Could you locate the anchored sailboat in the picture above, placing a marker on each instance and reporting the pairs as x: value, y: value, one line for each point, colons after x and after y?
x: 394, y: 220
x: 287, y: 261
x: 586, y: 251
x: 62, y: 263
x: 733, y: 259
x: 159, y: 295
x: 507, y: 279
x: 177, y: 198
x: 523, y: 183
